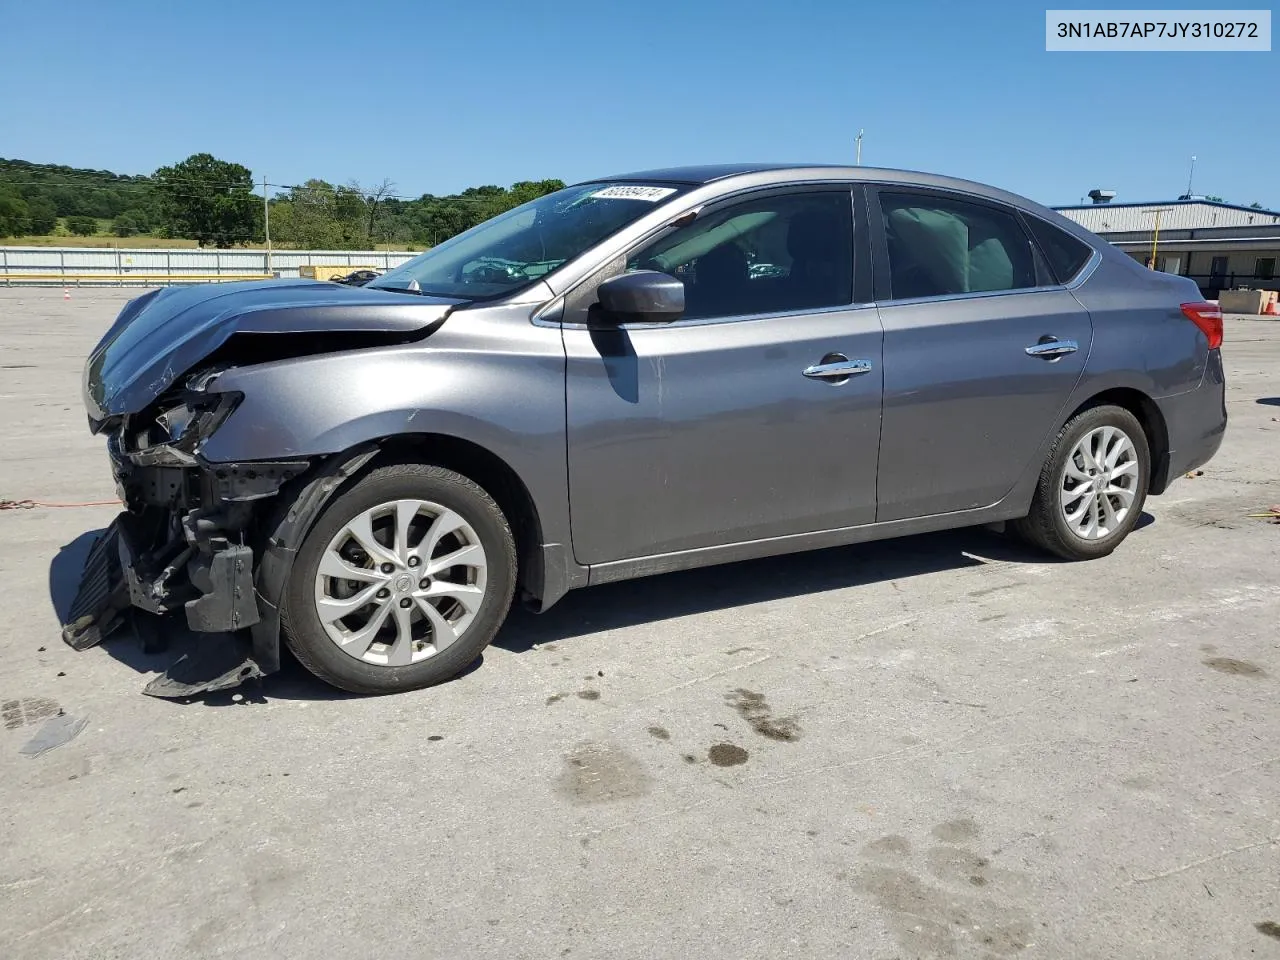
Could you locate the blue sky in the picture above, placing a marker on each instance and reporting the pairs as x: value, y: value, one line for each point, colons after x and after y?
x: 439, y: 95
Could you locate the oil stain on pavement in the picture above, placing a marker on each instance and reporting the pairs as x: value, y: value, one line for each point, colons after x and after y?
x: 27, y: 711
x: 951, y: 917
x: 727, y: 755
x: 759, y: 715
x: 1239, y: 668
x: 601, y: 773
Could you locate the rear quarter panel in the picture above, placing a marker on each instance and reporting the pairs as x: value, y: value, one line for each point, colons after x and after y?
x: 1141, y: 341
x: 1141, y: 338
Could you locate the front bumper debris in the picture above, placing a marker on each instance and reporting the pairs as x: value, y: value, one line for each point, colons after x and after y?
x: 212, y: 667
x: 103, y: 595
x: 117, y: 594
x: 182, y: 550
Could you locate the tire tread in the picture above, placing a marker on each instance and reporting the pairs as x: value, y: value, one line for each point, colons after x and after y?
x: 1042, y: 526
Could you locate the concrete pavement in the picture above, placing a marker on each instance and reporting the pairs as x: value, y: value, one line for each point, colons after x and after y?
x: 946, y: 745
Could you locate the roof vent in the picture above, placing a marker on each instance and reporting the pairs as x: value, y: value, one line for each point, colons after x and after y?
x: 1102, y: 196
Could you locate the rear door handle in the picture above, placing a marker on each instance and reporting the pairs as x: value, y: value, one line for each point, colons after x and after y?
x: 1051, y: 349
x: 837, y: 367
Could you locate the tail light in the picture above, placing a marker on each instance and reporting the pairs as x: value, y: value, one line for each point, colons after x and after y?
x: 1208, y: 317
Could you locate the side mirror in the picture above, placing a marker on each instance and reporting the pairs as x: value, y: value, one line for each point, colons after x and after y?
x: 643, y: 296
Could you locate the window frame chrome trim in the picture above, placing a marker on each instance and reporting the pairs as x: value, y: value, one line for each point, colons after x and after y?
x: 979, y: 294
x: 736, y: 318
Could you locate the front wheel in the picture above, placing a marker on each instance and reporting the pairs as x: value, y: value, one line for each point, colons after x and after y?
x: 1092, y: 487
x: 401, y: 583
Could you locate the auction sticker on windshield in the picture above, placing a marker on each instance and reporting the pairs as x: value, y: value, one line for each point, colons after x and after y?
x: 651, y: 194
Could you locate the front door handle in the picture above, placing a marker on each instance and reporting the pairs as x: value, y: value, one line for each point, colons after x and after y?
x: 837, y: 368
x: 1050, y: 348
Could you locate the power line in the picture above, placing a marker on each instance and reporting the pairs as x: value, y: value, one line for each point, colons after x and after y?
x: 152, y: 183
x: 89, y: 180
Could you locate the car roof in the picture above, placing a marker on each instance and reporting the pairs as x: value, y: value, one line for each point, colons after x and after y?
x: 763, y: 174
x: 707, y: 172
x: 711, y: 172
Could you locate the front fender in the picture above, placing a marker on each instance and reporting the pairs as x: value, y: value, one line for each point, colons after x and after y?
x: 487, y: 376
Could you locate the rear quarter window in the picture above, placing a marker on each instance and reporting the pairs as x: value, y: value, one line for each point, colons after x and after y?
x: 1066, y: 254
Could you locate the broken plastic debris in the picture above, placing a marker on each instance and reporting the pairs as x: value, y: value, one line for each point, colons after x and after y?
x: 208, y: 669
x: 56, y: 731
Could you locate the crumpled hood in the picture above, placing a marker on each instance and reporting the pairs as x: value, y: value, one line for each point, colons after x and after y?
x: 164, y: 334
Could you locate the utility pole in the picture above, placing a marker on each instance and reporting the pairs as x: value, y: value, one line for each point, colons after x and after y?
x: 1155, y: 236
x: 266, y: 221
x: 858, y: 141
x: 1190, y: 175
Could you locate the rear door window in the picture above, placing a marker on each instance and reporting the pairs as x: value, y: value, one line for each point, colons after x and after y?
x: 940, y: 246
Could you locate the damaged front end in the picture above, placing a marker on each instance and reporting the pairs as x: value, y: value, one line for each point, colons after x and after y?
x: 185, y: 543
x: 212, y: 542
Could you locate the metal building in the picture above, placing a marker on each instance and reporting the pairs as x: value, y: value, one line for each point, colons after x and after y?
x: 1221, y: 246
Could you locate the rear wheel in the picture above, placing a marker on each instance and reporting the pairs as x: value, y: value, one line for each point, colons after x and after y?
x: 402, y: 582
x: 1092, y: 487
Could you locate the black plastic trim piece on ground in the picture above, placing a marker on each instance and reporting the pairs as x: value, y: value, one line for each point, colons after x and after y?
x: 220, y: 662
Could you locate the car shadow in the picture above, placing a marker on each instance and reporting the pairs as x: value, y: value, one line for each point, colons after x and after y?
x: 1270, y: 401
x: 64, y: 572
x: 634, y: 602
x: 606, y: 607
x: 129, y: 646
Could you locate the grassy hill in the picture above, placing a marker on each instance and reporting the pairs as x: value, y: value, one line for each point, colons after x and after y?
x: 219, y: 202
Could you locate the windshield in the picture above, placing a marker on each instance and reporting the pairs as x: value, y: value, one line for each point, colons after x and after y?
x: 523, y: 245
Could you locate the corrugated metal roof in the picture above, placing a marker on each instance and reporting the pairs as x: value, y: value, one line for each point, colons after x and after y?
x: 1105, y: 218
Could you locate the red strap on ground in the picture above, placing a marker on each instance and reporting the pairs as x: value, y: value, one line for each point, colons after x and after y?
x: 32, y: 504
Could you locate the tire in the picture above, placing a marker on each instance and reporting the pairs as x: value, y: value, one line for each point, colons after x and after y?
x: 1049, y: 524
x: 408, y: 648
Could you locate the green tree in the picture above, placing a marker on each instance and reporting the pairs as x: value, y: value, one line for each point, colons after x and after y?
x: 319, y: 216
x: 527, y: 190
x: 82, y: 226
x: 376, y: 199
x: 433, y: 220
x: 14, y: 215
x: 210, y: 200
x: 126, y: 225
x: 42, y: 217
x: 74, y: 191
x: 1256, y: 205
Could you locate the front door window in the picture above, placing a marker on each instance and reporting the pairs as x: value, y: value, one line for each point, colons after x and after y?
x: 779, y: 254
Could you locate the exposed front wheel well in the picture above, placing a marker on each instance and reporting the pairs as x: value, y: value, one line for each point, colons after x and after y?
x: 1153, y: 425
x: 497, y: 479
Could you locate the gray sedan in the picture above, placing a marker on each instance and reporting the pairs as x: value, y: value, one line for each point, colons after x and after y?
x: 634, y: 375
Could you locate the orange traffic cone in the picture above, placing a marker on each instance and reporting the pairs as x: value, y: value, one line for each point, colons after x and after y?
x: 1272, y: 309
x: 66, y: 294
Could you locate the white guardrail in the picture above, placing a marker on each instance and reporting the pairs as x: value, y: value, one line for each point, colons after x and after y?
x: 121, y: 266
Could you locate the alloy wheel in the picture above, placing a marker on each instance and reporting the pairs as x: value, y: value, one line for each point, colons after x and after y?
x: 400, y: 582
x: 1099, y: 483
